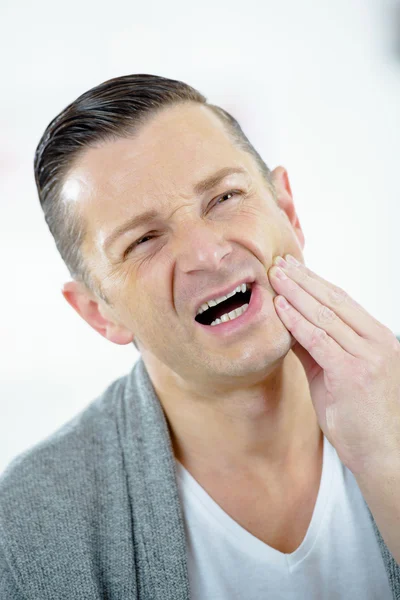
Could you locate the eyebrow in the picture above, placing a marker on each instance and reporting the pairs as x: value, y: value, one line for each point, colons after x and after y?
x: 199, y: 188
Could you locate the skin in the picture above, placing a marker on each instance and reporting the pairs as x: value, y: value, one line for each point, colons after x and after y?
x: 237, y: 409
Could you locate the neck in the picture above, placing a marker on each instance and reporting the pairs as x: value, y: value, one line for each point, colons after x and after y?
x: 264, y: 429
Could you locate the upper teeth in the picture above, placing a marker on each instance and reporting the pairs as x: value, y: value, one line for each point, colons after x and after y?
x: 240, y: 288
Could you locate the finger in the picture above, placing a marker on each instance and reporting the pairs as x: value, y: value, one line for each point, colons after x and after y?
x: 337, y: 300
x: 326, y: 352
x: 317, y: 314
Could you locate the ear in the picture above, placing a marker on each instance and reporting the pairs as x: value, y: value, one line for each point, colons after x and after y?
x: 284, y: 195
x: 95, y: 313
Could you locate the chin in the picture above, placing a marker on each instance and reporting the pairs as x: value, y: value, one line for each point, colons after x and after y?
x: 285, y: 343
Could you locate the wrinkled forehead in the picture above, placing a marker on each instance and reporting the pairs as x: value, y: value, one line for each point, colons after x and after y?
x: 162, y: 161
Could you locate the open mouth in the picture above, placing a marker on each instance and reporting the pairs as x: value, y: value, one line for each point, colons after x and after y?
x: 216, y: 312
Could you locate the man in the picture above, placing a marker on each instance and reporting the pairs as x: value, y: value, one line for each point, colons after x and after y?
x: 204, y: 473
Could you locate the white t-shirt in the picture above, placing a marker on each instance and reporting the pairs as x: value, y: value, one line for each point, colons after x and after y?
x: 339, y: 558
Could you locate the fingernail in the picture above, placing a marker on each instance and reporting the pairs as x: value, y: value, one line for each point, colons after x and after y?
x: 292, y: 260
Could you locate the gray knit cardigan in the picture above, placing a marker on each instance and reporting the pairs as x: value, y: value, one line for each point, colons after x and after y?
x: 93, y: 512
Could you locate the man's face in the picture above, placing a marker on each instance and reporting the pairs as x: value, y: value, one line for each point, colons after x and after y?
x: 200, y: 242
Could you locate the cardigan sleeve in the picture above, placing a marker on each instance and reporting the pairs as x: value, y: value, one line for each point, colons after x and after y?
x: 8, y: 585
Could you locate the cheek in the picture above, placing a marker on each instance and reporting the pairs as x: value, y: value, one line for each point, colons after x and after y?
x: 264, y: 226
x: 290, y: 244
x: 266, y: 233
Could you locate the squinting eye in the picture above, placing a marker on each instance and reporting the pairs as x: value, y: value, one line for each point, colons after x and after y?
x: 136, y: 243
x: 230, y: 193
x: 146, y: 237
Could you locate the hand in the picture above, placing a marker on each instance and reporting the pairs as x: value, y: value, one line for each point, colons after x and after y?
x: 352, y: 363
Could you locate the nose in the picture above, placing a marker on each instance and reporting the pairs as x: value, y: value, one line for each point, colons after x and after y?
x: 200, y: 246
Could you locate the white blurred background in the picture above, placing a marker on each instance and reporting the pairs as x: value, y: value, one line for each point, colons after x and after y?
x: 315, y: 86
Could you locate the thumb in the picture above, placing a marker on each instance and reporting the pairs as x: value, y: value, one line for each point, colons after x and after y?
x: 310, y: 366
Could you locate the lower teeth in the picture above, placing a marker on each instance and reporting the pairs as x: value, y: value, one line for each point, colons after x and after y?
x: 234, y: 314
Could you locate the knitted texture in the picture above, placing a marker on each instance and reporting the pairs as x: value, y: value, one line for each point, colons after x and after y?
x: 93, y: 513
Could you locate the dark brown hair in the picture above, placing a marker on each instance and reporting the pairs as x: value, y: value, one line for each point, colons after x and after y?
x: 111, y: 110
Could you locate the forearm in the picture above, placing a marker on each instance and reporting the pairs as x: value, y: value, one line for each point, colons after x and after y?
x: 380, y: 488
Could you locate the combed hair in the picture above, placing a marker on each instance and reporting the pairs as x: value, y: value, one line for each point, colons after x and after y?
x: 114, y: 109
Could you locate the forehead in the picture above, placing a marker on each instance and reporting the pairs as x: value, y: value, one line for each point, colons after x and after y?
x: 166, y: 157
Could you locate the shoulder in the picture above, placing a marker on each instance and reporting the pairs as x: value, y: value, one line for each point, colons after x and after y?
x: 65, y: 499
x: 57, y: 453
x: 54, y: 495
x: 46, y: 484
